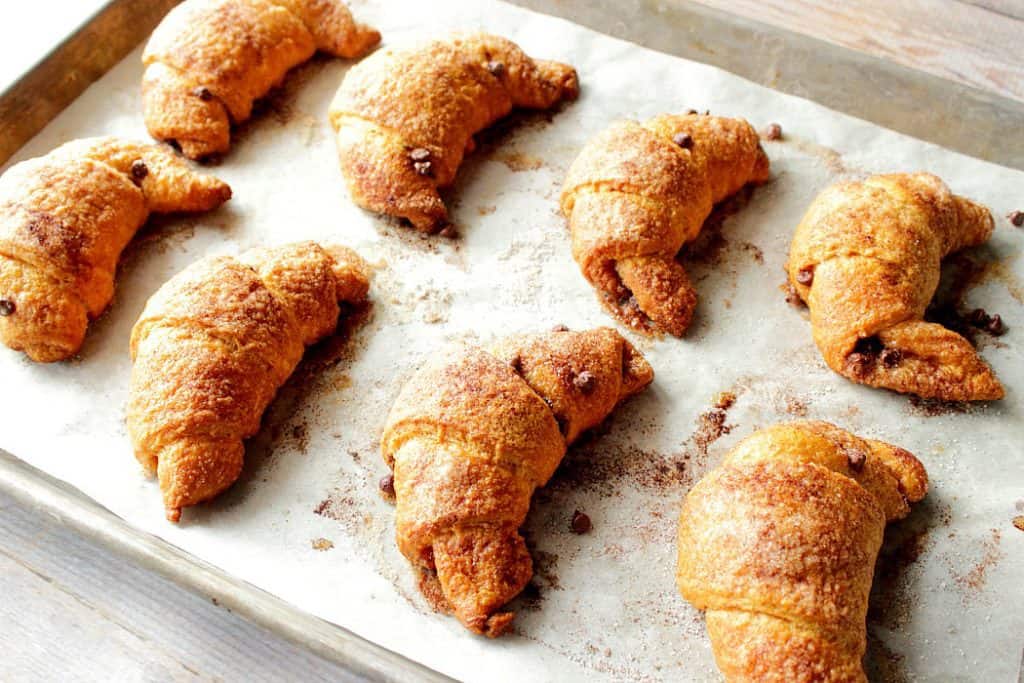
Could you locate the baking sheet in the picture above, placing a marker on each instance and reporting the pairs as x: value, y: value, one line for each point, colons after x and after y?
x: 305, y: 521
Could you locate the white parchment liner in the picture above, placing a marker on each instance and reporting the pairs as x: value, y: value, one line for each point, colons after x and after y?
x: 306, y: 522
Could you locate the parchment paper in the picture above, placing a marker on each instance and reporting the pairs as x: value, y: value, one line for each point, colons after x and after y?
x: 305, y: 521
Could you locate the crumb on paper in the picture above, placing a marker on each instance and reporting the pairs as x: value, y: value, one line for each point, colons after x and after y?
x: 322, y: 544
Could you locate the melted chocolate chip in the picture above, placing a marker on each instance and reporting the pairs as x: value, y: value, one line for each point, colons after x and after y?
x: 978, y: 317
x: 420, y: 154
x: 995, y: 325
x: 684, y: 140
x: 139, y: 169
x: 496, y: 68
x: 7, y: 307
x: 860, y: 364
x: 516, y: 363
x: 869, y: 345
x: 585, y: 382
x: 1016, y: 218
x: 890, y: 357
x: 387, y: 486
x: 203, y: 93
x: 856, y: 459
x: 560, y: 328
x: 580, y: 523
x: 691, y: 112
x: 772, y: 131
x: 805, y: 276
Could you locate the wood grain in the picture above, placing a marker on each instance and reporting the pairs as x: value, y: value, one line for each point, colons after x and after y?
x: 975, y: 42
x: 73, y: 611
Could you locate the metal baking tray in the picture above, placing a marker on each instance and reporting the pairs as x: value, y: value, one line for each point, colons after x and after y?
x: 955, y: 116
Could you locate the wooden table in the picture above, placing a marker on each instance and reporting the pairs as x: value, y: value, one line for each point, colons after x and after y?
x: 74, y: 611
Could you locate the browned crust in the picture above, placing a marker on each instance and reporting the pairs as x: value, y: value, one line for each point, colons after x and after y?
x: 866, y: 259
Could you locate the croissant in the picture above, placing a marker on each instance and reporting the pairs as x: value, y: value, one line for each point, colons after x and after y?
x: 208, y: 60
x: 65, y: 218
x: 866, y: 259
x: 473, y: 434
x: 211, y: 349
x: 778, y: 545
x: 404, y: 119
x: 638, y: 192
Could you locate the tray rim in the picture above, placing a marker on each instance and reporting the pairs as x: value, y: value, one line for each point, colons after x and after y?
x: 75, y: 510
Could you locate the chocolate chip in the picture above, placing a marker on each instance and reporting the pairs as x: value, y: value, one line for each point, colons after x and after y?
x: 978, y: 317
x: 387, y: 486
x: 516, y: 363
x: 585, y: 381
x: 684, y: 140
x: 890, y: 357
x: 203, y: 93
x: 423, y: 167
x: 560, y: 328
x: 7, y: 307
x: 1016, y: 218
x: 580, y: 523
x: 772, y: 131
x: 869, y: 345
x: 139, y: 169
x: 856, y: 459
x: 995, y: 325
x: 691, y: 112
x: 449, y: 231
x: 861, y: 364
x: 805, y: 276
x: 420, y: 154
x: 496, y: 68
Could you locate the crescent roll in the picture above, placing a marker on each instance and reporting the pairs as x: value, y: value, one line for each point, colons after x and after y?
x: 778, y: 546
x: 637, y: 192
x: 65, y: 218
x: 214, y: 345
x: 473, y: 434
x: 208, y: 60
x: 405, y: 118
x: 866, y: 258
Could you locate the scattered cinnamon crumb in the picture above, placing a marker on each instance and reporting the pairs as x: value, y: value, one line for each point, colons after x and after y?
x: 517, y: 162
x: 322, y: 544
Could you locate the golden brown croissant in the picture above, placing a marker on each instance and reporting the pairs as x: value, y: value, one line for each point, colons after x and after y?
x: 406, y: 118
x: 208, y: 60
x: 65, y: 218
x: 638, y: 192
x: 866, y: 259
x: 778, y: 545
x: 473, y: 434
x: 212, y: 348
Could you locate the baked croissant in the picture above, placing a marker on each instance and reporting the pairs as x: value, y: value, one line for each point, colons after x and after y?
x: 778, y: 545
x: 65, y: 218
x: 404, y: 119
x: 638, y: 192
x: 211, y: 349
x: 208, y: 60
x: 473, y: 434
x: 866, y: 259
